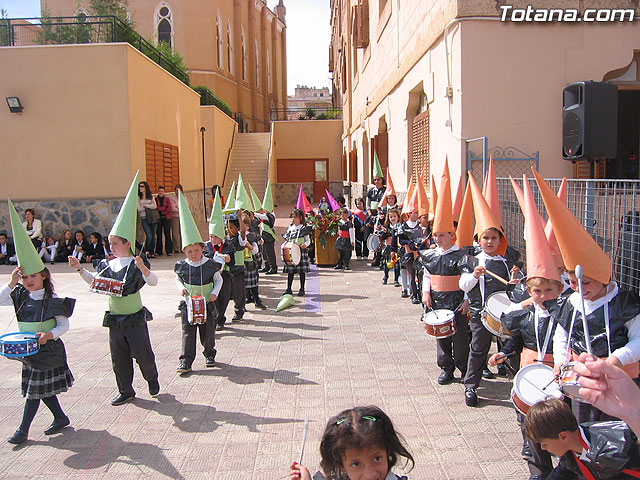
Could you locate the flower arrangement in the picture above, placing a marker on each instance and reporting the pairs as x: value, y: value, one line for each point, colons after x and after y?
x: 326, y: 225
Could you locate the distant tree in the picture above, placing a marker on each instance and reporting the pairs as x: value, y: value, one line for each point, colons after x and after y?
x: 4, y: 27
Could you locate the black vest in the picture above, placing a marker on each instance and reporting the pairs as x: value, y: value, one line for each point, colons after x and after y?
x: 522, y: 322
x: 448, y: 264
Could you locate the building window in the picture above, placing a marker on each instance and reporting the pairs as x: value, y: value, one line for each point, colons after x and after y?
x: 229, y: 47
x: 257, y: 64
x: 219, y: 40
x: 163, y: 165
x: 243, y: 52
x: 164, y: 24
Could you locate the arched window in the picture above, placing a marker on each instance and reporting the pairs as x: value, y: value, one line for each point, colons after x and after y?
x: 229, y: 47
x: 268, y: 71
x: 257, y: 64
x: 219, y: 40
x: 164, y: 24
x: 243, y: 51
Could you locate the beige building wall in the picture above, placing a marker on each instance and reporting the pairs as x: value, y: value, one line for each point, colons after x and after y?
x: 218, y: 142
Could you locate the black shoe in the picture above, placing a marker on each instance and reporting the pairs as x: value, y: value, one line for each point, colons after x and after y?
x: 168, y: 254
x: 384, y: 281
x: 502, y: 370
x: 301, y: 292
x: 526, y: 450
x: 488, y: 374
x: 261, y: 306
x: 415, y: 300
x: 346, y: 267
x: 183, y: 368
x: 536, y: 477
x: 374, y: 264
x: 57, y: 425
x: 396, y: 283
x: 445, y: 378
x: 470, y: 397
x: 338, y: 267
x: 288, y: 292
x: 122, y: 399
x: 219, y: 327
x: 236, y: 318
x: 249, y: 300
x: 20, y: 436
x: 272, y: 272
x: 210, y: 362
x: 154, y: 388
x: 405, y: 294
x: 264, y: 270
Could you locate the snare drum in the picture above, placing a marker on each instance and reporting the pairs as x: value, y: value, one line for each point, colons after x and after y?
x: 373, y: 242
x: 439, y: 323
x: 196, y: 310
x: 494, y: 307
x: 107, y: 286
x: 19, y: 344
x: 291, y: 253
x: 569, y: 384
x: 532, y: 384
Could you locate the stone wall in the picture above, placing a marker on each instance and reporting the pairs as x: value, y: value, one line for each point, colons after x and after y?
x: 87, y: 215
x: 287, y: 193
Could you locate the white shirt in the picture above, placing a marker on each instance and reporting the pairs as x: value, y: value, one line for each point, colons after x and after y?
x: 62, y: 323
x: 627, y: 354
x: 117, y: 264
x: 36, y: 228
x: 426, y: 276
x: 217, y: 277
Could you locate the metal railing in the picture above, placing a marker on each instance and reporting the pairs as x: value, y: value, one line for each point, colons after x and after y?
x: 310, y: 113
x: 209, y: 98
x: 608, y: 209
x: 81, y: 30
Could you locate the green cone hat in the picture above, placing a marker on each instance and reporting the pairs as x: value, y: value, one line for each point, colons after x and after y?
x: 242, y: 197
x: 216, y: 222
x: 188, y: 228
x: 267, y: 202
x: 377, y: 170
x: 231, y: 199
x: 257, y: 204
x: 28, y: 258
x: 125, y: 224
x: 286, y: 301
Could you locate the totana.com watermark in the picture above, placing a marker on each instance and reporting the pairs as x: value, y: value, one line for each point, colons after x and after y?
x: 530, y: 14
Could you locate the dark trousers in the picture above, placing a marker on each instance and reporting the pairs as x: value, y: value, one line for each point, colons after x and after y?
x: 361, y: 244
x: 411, y: 271
x: 396, y: 270
x: 126, y: 344
x: 207, y: 332
x: 343, y: 257
x: 269, y: 249
x: 453, y: 351
x: 232, y: 288
x: 164, y: 227
x: 478, y: 352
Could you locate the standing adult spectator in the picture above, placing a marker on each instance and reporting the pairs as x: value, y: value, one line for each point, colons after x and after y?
x: 214, y: 189
x: 164, y: 225
x: 146, y: 203
x: 34, y: 227
x: 374, y: 196
x: 176, y: 238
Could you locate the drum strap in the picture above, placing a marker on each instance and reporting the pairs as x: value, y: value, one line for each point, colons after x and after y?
x: 607, y: 326
x: 573, y: 321
x: 547, y: 337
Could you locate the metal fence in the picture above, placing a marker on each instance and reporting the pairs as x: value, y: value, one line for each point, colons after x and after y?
x: 507, y: 160
x: 609, y: 211
x: 310, y: 113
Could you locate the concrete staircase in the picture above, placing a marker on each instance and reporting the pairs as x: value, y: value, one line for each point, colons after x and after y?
x: 249, y: 156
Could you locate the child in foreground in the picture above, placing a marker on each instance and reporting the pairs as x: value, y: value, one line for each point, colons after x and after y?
x: 358, y: 444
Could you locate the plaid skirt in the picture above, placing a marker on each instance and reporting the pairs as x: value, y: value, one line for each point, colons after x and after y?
x: 250, y: 275
x: 39, y: 384
x: 303, y: 266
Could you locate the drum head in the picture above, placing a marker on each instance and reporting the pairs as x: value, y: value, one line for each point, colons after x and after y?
x: 17, y: 337
x: 373, y: 242
x: 438, y: 317
x: 296, y: 253
x: 497, y: 303
x: 535, y: 383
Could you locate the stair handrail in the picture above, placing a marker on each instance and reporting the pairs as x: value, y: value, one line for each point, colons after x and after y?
x: 226, y: 167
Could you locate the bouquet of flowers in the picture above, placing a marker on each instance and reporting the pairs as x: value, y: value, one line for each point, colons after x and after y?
x: 327, y: 226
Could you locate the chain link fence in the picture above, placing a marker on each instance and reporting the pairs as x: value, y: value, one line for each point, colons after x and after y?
x: 609, y: 211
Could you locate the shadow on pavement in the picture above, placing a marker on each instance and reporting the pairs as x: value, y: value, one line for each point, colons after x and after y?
x: 250, y: 375
x: 263, y: 336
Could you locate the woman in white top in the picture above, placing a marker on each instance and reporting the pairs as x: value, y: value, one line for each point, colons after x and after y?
x: 146, y: 200
x: 33, y: 226
x: 175, y: 220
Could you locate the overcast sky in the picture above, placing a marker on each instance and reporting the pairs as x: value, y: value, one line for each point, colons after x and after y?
x: 308, y: 37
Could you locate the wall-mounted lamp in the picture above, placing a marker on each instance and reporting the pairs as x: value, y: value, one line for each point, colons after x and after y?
x: 14, y: 105
x: 367, y: 101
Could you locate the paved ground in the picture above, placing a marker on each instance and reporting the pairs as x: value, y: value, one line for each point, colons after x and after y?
x: 244, y: 419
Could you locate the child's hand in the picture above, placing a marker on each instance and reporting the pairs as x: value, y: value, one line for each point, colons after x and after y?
x: 496, y: 358
x: 139, y: 263
x: 184, y: 292
x: 213, y: 297
x: 44, y: 337
x: 16, y: 275
x: 353, y: 244
x: 464, y: 308
x: 74, y: 262
x: 426, y: 299
x: 557, y: 368
x: 226, y: 257
x: 479, y: 270
x: 299, y: 472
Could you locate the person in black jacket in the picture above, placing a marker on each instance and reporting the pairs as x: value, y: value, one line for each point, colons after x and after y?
x: 7, y: 250
x: 80, y: 247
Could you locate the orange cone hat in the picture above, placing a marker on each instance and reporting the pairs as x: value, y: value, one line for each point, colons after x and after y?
x: 576, y: 244
x: 540, y: 262
x: 424, y: 207
x: 411, y: 204
x: 390, y: 190
x: 520, y: 196
x: 491, y: 192
x: 434, y: 197
x: 443, y: 221
x: 457, y: 203
x: 485, y: 217
x: 464, y: 232
x: 548, y: 229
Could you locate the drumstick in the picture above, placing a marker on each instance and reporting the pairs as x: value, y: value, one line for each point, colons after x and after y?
x: 497, y: 277
x: 304, y: 440
x: 585, y: 325
x: 507, y: 355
